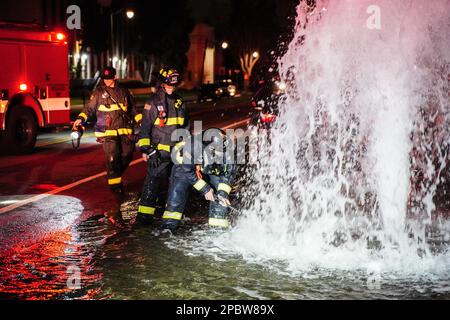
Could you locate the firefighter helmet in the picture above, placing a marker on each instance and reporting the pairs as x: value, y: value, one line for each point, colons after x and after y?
x: 170, y: 77
x: 216, y: 143
x: 109, y: 73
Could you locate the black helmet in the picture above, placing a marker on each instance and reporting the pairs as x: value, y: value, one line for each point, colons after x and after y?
x: 216, y: 143
x: 170, y: 77
x: 109, y: 73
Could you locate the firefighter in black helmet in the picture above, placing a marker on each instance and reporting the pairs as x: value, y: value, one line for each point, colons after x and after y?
x: 211, y: 172
x: 115, y: 110
x: 164, y: 112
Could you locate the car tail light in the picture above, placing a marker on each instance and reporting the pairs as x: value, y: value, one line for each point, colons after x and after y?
x: 268, y: 118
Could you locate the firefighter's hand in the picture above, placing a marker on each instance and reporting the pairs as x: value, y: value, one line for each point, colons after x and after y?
x: 76, y: 124
x: 154, y: 159
x: 210, y: 195
x: 224, y: 202
x: 145, y: 157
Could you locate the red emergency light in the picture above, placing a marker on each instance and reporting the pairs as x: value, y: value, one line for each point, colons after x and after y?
x: 23, y: 87
x: 57, y: 37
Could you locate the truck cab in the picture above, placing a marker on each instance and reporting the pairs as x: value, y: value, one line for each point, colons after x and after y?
x: 34, y: 83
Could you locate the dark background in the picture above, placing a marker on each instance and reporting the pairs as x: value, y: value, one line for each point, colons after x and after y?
x: 161, y: 28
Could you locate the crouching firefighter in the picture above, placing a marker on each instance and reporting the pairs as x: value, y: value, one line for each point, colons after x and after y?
x: 211, y: 174
x: 115, y: 111
x: 164, y: 112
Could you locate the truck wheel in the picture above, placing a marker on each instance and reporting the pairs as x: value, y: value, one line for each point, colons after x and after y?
x: 21, y: 130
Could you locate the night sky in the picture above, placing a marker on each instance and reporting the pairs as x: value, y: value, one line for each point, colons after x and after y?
x: 161, y: 28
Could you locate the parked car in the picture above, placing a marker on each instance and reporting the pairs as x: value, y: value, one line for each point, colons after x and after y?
x: 265, y: 104
x: 229, y: 89
x: 209, y: 91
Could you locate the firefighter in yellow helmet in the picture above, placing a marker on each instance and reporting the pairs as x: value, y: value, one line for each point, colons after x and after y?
x: 164, y: 112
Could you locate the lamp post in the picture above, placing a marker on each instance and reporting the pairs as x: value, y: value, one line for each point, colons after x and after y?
x: 115, y: 51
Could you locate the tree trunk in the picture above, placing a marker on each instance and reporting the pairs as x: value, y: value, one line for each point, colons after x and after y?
x: 248, y: 62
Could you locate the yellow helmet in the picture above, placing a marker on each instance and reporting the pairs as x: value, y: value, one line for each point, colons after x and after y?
x: 170, y: 76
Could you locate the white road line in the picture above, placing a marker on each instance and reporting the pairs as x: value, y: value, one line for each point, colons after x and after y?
x: 80, y: 182
x: 61, y: 140
x: 56, y: 191
x: 236, y: 124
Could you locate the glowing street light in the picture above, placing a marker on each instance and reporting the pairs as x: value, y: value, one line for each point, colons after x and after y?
x: 255, y: 54
x: 225, y: 45
x: 130, y: 14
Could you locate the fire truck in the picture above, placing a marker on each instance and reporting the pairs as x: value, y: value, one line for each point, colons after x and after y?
x: 34, y: 83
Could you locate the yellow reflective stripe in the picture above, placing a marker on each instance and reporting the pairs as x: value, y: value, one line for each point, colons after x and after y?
x: 172, y: 121
x: 115, y: 181
x: 124, y: 131
x: 147, y: 210
x: 113, y: 133
x: 112, y: 107
x: 164, y: 147
x: 83, y: 115
x: 107, y: 133
x: 138, y: 118
x: 223, y: 223
x: 178, y: 103
x: 224, y: 187
x: 200, y: 185
x: 172, y: 215
x: 144, y: 142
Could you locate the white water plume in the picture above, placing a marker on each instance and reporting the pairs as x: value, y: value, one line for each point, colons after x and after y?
x: 334, y: 187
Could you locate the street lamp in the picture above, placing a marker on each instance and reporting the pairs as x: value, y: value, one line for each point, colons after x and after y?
x: 115, y: 48
x: 225, y: 45
x: 130, y: 14
x: 255, y: 54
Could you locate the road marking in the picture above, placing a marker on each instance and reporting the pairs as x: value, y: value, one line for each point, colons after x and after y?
x: 61, y: 140
x: 236, y: 124
x: 59, y: 190
x: 22, y: 203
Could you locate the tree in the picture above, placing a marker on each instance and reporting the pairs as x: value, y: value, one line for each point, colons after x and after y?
x: 248, y: 61
x: 254, y: 30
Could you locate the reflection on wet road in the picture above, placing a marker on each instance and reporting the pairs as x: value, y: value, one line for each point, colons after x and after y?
x: 133, y: 264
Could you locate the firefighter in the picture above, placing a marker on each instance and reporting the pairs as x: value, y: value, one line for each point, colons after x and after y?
x: 164, y: 112
x: 215, y: 163
x: 115, y: 111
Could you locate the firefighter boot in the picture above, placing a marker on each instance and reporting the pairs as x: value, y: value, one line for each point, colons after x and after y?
x: 144, y: 219
x: 115, y: 216
x: 171, y: 225
x: 218, y: 216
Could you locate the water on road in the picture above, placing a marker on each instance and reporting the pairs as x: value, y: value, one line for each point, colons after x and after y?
x: 134, y: 264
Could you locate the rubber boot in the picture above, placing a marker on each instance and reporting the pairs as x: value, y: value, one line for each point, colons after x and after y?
x: 115, y: 216
x: 144, y: 219
x: 171, y: 225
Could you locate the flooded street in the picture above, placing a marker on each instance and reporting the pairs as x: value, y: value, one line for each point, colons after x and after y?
x: 134, y: 264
